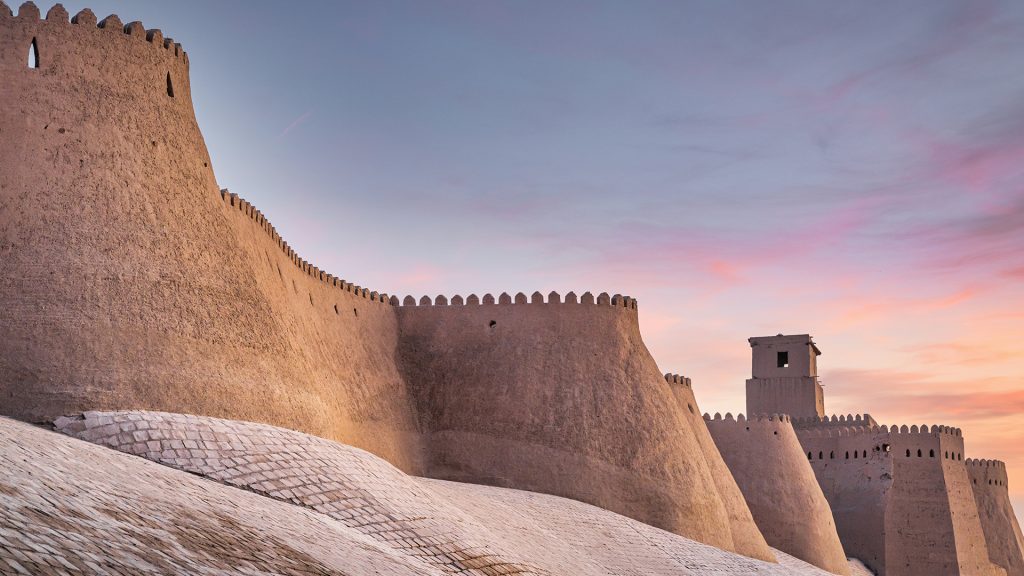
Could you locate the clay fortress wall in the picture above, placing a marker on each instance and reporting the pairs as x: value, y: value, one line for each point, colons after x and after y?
x: 129, y: 280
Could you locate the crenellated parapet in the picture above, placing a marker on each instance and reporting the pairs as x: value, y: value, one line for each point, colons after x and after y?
x: 753, y: 418
x: 58, y: 36
x: 678, y: 380
x: 245, y: 208
x: 834, y: 420
x: 836, y: 431
x: 914, y: 441
x: 505, y: 299
x: 987, y: 472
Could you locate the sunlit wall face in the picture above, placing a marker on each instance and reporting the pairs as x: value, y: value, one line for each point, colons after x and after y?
x: 852, y: 170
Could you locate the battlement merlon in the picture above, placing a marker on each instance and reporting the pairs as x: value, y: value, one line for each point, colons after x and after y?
x: 679, y: 380
x: 239, y: 204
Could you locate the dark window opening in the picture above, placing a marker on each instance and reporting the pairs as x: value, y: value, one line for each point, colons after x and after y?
x: 33, y: 54
x: 831, y: 455
x: 885, y: 447
x: 310, y: 299
x: 336, y: 309
x: 931, y: 453
x: 847, y: 454
x: 919, y: 453
x: 821, y: 456
x: 355, y: 312
x: 170, y: 86
x: 855, y: 454
x: 775, y: 432
x: 808, y: 455
x: 690, y: 406
x: 908, y: 452
x: 783, y: 359
x: 493, y: 323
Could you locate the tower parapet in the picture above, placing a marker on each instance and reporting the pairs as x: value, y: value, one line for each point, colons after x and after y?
x: 784, y: 377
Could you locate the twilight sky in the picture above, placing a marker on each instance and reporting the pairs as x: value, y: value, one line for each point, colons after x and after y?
x: 852, y: 170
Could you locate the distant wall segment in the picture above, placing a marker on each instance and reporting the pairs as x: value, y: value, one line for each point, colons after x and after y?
x: 901, y: 497
x: 1002, y: 531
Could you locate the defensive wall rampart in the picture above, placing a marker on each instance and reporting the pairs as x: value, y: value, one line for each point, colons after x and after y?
x: 130, y: 280
x: 1002, y: 531
x: 740, y: 515
x: 779, y: 486
x: 900, y: 497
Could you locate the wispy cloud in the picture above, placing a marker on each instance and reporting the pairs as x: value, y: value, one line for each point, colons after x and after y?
x: 295, y: 123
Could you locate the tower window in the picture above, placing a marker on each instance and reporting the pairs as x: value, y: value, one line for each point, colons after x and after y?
x: 783, y: 359
x: 33, y: 54
x: 170, y: 86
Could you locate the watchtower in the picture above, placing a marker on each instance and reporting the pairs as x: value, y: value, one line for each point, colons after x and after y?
x: 785, y: 377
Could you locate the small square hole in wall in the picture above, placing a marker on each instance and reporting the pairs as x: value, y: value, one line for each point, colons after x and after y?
x: 783, y: 359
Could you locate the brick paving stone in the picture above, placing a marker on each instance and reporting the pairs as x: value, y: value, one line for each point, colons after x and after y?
x: 413, y: 524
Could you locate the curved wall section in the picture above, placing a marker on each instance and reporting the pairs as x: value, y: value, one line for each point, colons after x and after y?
x: 563, y: 398
x: 128, y: 282
x: 745, y: 530
x: 779, y: 485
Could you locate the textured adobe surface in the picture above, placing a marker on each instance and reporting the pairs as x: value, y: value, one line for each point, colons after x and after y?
x: 129, y: 280
x: 126, y: 280
x: 446, y: 526
x: 771, y: 469
x: 564, y: 398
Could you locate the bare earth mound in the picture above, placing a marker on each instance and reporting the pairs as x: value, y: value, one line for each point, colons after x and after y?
x: 69, y: 504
